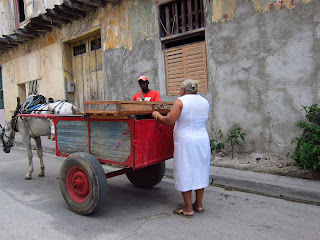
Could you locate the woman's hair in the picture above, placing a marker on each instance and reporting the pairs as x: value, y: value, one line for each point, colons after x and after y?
x: 190, y: 86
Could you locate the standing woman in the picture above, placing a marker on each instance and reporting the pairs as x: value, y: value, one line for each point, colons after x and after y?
x: 191, y: 145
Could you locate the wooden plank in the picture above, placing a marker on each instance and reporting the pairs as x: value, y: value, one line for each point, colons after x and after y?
x: 110, y: 140
x: 192, y: 69
x: 176, y: 17
x: 127, y: 102
x: 167, y: 14
x: 196, y: 14
x: 72, y: 136
x: 77, y: 70
x: 100, y: 78
x: 105, y: 116
x: 174, y: 51
x: 190, y: 22
x: 176, y: 65
x: 86, y: 72
x: 100, y: 112
x: 183, y: 16
x: 129, y: 108
x: 202, y: 16
x: 180, y: 75
x: 93, y: 72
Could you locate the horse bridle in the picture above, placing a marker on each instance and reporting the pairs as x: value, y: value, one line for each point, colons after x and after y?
x: 13, y: 124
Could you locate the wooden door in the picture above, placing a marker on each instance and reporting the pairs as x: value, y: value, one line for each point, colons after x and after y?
x: 87, y: 71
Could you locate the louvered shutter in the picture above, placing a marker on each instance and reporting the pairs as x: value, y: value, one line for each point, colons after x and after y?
x: 184, y: 63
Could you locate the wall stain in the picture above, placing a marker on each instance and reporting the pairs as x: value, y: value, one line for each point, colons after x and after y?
x: 116, y: 27
x: 223, y: 10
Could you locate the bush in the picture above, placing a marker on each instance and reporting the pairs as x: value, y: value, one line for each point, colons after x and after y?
x: 307, y: 151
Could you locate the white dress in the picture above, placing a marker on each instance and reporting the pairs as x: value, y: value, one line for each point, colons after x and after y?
x: 192, y: 145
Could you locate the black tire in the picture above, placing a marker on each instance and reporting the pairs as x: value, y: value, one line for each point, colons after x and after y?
x: 83, y: 183
x: 149, y: 176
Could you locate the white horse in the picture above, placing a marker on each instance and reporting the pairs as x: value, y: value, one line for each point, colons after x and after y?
x: 33, y: 127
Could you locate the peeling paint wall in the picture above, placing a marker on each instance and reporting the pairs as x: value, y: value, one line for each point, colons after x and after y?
x: 38, y: 59
x: 223, y: 10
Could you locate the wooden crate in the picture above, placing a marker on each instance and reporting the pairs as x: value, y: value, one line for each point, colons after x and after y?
x: 121, y: 109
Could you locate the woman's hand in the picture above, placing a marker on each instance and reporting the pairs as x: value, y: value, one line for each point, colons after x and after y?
x: 172, y: 116
x: 155, y: 114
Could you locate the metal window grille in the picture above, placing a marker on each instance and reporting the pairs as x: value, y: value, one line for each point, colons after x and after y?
x: 181, y: 16
x: 80, y: 49
x: 33, y: 87
x: 95, y: 44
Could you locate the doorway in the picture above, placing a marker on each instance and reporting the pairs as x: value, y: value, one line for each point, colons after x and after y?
x: 86, y: 58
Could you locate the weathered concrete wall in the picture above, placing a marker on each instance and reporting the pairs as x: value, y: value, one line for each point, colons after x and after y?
x: 262, y: 67
x: 40, y: 60
x: 6, y: 17
x: 262, y: 58
x: 34, y: 9
x: 135, y: 51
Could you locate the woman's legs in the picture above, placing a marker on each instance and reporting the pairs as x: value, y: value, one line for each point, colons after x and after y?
x: 199, y: 196
x: 187, y: 208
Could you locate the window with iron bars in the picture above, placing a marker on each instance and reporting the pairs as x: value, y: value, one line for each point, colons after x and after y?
x: 95, y: 44
x: 181, y: 16
x: 182, y: 34
x: 33, y: 87
x: 80, y: 49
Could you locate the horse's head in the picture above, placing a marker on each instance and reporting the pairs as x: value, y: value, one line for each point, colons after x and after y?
x: 7, y: 137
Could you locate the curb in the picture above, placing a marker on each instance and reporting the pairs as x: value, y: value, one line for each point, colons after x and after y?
x: 294, y: 189
x: 288, y: 188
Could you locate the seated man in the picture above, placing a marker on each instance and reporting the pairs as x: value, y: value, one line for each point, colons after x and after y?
x: 146, y: 94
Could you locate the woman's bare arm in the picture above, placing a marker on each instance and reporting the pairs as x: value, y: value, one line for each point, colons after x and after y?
x: 172, y: 116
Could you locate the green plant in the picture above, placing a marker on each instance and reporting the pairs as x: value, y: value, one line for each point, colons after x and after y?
x: 215, y: 145
x: 232, y: 137
x: 307, y: 151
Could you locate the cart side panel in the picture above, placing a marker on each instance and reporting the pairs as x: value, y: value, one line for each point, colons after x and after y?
x: 110, y: 140
x: 71, y: 137
x: 154, y: 142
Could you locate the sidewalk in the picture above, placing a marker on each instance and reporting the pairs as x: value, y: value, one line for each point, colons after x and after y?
x: 289, y: 188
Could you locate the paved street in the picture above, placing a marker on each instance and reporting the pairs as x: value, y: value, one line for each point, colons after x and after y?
x: 35, y: 209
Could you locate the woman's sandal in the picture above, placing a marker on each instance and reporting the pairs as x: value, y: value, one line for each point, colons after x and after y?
x: 180, y: 212
x: 196, y: 210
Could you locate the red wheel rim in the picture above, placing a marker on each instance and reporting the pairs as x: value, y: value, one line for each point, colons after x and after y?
x: 78, y: 184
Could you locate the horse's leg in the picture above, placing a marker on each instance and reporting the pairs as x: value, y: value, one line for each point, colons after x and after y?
x: 40, y: 155
x: 27, y: 143
x: 52, y: 134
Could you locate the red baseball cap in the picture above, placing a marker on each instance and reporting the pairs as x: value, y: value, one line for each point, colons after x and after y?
x: 143, y: 78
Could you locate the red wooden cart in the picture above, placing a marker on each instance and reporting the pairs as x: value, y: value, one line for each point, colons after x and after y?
x: 119, y: 137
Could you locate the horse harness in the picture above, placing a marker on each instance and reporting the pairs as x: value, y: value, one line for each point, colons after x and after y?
x: 14, y: 129
x: 61, y: 103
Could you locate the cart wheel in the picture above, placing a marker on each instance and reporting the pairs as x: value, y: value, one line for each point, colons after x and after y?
x: 83, y: 183
x: 147, y: 177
